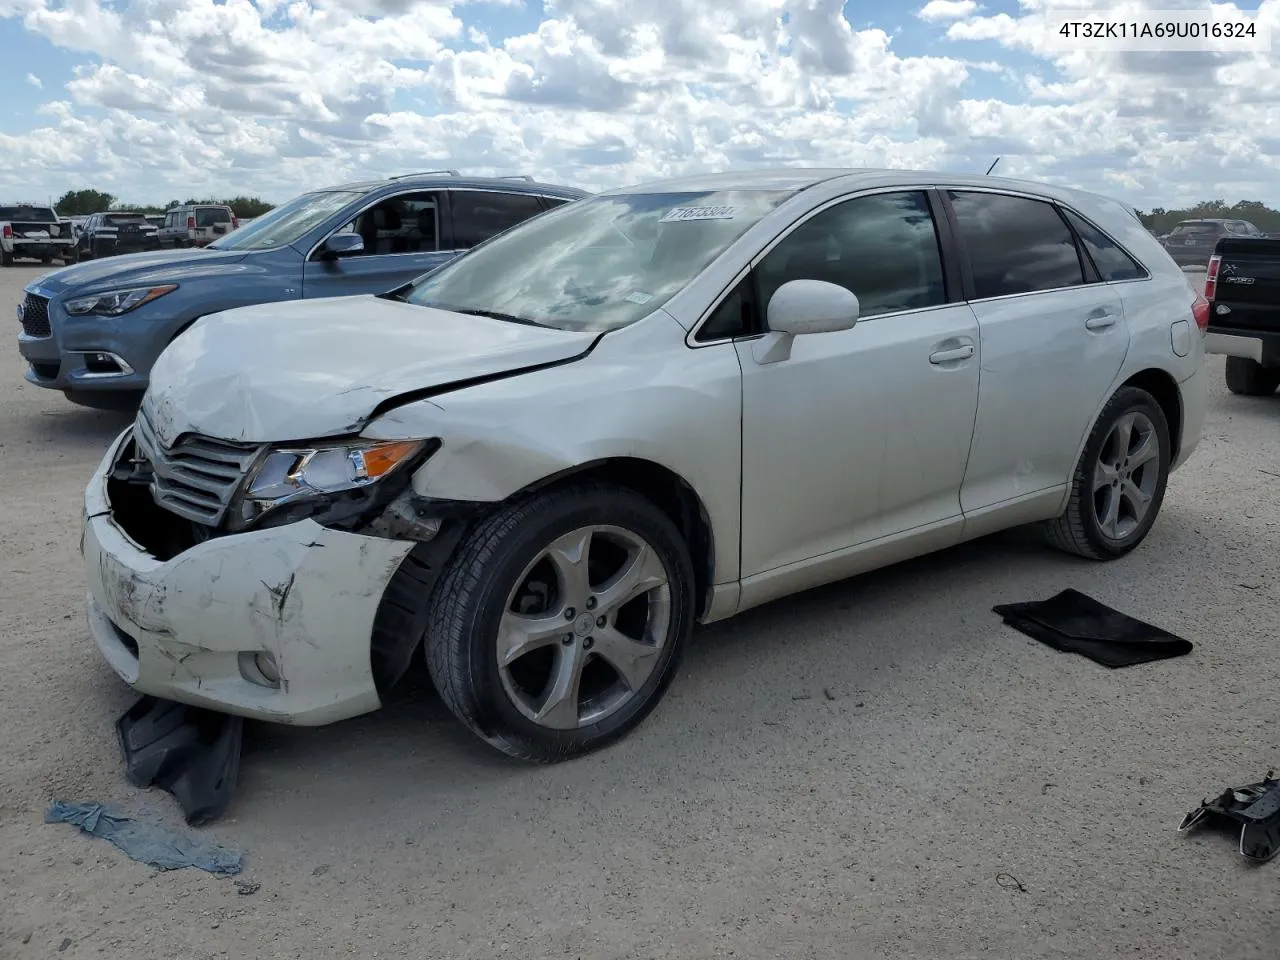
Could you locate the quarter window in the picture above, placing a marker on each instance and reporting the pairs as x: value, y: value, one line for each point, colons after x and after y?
x: 1112, y: 262
x: 479, y: 215
x: 1015, y: 245
x: 883, y: 247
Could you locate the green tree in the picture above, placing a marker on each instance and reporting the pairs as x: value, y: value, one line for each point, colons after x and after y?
x: 81, y: 203
x: 1163, y: 221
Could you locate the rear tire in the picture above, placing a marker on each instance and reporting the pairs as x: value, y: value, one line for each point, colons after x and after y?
x: 1248, y: 378
x: 1119, y: 482
x: 513, y: 583
x: 6, y: 259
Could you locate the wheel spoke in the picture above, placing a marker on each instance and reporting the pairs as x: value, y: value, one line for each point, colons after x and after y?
x: 1109, y: 517
x: 518, y: 634
x: 642, y: 572
x: 559, y: 709
x: 1123, y: 433
x: 569, y: 554
x: 1148, y: 449
x: 632, y: 660
x: 1136, y: 497
x: 1104, y: 474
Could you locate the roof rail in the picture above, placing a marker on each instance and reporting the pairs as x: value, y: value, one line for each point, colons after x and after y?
x: 518, y: 176
x: 426, y: 173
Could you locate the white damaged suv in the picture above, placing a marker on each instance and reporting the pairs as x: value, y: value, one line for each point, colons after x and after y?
x: 542, y: 463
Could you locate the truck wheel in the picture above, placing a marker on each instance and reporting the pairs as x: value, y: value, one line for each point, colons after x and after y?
x: 1119, y: 483
x: 46, y: 260
x: 1248, y: 378
x: 558, y: 624
x: 71, y: 256
x: 6, y: 259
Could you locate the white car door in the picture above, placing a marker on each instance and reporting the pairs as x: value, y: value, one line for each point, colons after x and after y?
x: 1052, y: 345
x: 861, y: 433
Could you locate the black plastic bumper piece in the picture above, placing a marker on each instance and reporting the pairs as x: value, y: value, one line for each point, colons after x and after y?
x: 1255, y: 807
x: 192, y: 753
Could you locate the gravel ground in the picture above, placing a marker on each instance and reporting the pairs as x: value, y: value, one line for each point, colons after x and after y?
x: 844, y: 774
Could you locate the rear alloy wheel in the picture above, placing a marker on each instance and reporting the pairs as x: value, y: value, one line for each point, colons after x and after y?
x: 1119, y: 483
x: 1248, y: 378
x: 560, y: 621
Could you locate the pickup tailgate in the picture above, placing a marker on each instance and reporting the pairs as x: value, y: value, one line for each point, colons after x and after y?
x: 1247, y: 283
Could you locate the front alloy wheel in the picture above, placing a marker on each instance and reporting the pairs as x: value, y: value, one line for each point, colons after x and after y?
x: 560, y: 621
x: 1120, y: 480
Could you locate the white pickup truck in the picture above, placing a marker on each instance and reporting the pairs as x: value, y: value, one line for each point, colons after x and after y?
x: 35, y: 232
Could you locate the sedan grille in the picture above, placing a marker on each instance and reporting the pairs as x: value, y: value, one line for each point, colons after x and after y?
x: 198, y: 476
x: 35, y: 316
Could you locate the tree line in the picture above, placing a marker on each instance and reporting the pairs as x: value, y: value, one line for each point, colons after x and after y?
x: 1163, y: 221
x: 81, y: 203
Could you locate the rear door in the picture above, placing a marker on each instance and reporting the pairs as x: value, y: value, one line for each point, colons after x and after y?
x: 1053, y: 338
x: 405, y: 235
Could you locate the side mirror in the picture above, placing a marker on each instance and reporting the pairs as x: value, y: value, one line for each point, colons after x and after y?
x: 344, y: 244
x: 811, y: 306
x: 799, y: 307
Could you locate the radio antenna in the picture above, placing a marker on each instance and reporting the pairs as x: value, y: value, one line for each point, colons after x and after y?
x: 993, y: 166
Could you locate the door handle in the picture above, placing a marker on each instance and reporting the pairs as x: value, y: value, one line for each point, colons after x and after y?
x: 1100, y: 319
x: 946, y: 356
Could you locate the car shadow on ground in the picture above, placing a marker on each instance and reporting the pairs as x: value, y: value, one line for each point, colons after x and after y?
x: 820, y: 624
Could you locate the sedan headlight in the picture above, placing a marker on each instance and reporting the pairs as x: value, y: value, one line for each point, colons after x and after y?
x: 116, y: 302
x: 293, y: 474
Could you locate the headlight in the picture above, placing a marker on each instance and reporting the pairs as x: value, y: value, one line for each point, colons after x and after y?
x: 116, y: 302
x: 303, y: 473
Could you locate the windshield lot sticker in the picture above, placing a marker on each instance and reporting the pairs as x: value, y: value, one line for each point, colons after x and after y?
x: 640, y: 298
x: 699, y: 213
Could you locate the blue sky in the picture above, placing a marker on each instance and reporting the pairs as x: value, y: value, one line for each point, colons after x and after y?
x: 151, y: 99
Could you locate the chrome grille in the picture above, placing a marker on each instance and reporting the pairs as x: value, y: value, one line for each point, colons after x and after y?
x: 35, y: 316
x: 196, y: 477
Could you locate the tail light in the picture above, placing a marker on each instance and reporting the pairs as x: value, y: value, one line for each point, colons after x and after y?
x: 1211, y: 277
x: 191, y: 223
x: 8, y: 232
x: 235, y: 223
x: 1200, y: 309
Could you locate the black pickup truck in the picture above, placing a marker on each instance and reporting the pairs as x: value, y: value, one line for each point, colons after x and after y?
x: 1242, y: 285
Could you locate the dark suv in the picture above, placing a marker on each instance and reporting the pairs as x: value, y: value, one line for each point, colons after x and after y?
x: 1191, y: 242
x: 94, y: 330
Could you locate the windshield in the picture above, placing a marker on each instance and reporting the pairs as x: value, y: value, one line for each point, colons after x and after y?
x: 287, y: 222
x: 39, y: 214
x: 1185, y: 228
x: 121, y: 219
x: 208, y: 216
x: 595, y: 264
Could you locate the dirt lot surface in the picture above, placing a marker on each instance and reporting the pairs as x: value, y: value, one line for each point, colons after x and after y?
x: 846, y: 774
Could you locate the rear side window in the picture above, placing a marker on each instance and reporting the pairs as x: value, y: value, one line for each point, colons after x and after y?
x: 1112, y: 262
x: 40, y: 214
x: 1015, y: 245
x: 479, y: 215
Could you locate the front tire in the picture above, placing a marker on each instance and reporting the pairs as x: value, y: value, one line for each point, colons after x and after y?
x: 1119, y: 483
x: 559, y: 623
x: 1248, y: 378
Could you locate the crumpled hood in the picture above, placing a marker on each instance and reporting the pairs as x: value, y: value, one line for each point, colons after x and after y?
x: 126, y: 269
x: 315, y: 368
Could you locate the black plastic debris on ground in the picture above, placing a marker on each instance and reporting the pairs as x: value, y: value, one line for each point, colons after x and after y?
x: 145, y: 842
x: 192, y: 753
x: 1074, y: 623
x: 1254, y: 807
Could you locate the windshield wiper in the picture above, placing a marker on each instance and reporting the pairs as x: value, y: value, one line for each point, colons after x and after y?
x: 495, y: 315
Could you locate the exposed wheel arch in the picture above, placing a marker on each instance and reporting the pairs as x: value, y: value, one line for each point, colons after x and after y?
x: 1165, y: 390
x: 670, y: 492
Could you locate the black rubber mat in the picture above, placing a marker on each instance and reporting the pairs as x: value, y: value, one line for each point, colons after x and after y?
x: 1075, y: 623
x: 192, y: 753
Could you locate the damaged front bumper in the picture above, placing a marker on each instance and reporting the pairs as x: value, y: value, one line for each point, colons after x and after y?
x: 210, y: 626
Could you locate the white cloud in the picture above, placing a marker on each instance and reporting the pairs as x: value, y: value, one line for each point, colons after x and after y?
x: 937, y: 11
x: 34, y: 81
x: 187, y: 97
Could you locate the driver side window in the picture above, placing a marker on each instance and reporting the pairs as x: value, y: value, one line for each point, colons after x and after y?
x: 883, y: 247
x: 407, y: 223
